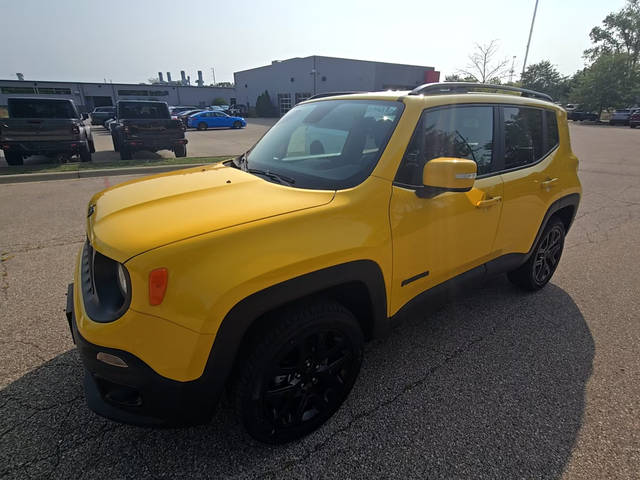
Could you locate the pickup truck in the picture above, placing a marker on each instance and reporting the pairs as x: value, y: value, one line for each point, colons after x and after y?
x: 101, y: 114
x: 44, y: 127
x: 146, y: 125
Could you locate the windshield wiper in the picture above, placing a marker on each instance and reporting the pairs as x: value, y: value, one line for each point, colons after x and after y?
x: 273, y: 176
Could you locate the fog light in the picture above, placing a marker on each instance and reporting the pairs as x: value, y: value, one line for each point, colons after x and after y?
x: 111, y: 360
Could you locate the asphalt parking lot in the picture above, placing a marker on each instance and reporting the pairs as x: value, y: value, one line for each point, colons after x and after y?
x: 494, y: 384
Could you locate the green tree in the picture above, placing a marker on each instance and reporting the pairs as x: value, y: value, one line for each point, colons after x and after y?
x: 601, y: 85
x: 264, y: 106
x: 454, y: 77
x: 219, y: 101
x: 620, y: 33
x: 544, y: 77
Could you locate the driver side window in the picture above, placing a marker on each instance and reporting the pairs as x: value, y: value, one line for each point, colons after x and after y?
x: 460, y: 132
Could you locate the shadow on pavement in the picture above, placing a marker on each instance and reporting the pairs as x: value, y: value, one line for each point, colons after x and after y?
x: 489, y: 385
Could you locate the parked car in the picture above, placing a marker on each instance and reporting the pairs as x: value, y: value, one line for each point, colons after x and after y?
x: 177, y: 110
x: 620, y: 117
x: 184, y: 116
x: 579, y: 116
x: 265, y: 274
x: 101, y: 114
x: 146, y: 125
x: 42, y: 126
x: 634, y: 118
x: 215, y: 119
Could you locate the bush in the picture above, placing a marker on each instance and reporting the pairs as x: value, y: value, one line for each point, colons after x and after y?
x: 264, y: 106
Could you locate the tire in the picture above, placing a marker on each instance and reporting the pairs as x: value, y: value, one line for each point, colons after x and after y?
x: 237, y: 124
x: 84, y: 153
x: 299, y: 372
x: 180, y: 150
x: 13, y: 158
x: 538, y: 270
x: 202, y: 126
x: 125, y: 153
x: 116, y: 146
x: 631, y: 125
x: 92, y: 146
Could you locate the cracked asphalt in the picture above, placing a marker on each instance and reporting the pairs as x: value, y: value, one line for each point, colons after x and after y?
x: 494, y: 383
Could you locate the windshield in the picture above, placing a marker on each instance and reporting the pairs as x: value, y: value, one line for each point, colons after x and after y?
x: 333, y: 144
x: 28, y: 108
x: 142, y: 110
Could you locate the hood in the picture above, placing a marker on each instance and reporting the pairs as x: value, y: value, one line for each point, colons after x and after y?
x: 146, y: 213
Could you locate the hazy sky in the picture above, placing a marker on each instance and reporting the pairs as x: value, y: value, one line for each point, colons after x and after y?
x: 131, y: 40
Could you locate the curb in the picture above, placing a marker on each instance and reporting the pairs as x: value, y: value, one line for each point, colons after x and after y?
x: 105, y: 172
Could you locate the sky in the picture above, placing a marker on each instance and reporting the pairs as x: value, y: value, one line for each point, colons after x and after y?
x: 131, y: 40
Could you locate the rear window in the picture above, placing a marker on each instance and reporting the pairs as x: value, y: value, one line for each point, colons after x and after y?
x: 552, y: 130
x: 524, y: 143
x: 105, y: 109
x: 143, y: 110
x: 34, y: 108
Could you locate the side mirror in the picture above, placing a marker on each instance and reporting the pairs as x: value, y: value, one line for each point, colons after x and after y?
x: 449, y: 174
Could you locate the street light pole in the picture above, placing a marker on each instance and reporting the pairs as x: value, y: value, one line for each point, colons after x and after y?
x: 524, y: 65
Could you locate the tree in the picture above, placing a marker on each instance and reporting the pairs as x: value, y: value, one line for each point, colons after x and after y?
x: 223, y: 84
x: 620, y: 33
x: 544, y: 77
x: 483, y: 66
x: 600, y: 86
x: 264, y: 106
x: 219, y: 101
x: 454, y: 77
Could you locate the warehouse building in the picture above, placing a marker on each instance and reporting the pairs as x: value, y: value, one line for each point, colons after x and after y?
x: 87, y: 96
x: 294, y: 80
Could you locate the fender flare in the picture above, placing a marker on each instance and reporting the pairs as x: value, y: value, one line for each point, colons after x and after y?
x: 239, y: 319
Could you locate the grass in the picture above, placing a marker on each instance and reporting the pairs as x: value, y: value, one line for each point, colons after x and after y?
x: 75, y: 166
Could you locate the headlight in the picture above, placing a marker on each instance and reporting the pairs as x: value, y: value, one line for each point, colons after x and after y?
x: 122, y: 280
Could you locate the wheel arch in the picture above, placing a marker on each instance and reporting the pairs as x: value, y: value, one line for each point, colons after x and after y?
x: 564, y: 208
x: 358, y: 285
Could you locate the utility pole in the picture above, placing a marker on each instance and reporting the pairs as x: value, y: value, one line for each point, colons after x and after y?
x: 524, y: 65
x: 513, y: 63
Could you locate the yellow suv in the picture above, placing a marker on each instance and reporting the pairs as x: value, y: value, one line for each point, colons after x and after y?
x: 265, y: 274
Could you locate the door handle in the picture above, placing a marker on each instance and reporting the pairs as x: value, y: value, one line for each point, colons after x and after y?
x: 490, y: 202
x: 548, y: 183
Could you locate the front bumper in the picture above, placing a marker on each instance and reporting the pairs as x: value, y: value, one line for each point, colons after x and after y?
x: 136, y: 394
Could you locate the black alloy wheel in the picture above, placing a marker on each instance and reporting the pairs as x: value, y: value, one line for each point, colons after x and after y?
x: 237, y: 124
x: 548, y: 254
x: 300, y: 373
x: 536, y: 272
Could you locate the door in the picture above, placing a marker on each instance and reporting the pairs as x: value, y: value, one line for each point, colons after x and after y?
x: 531, y: 176
x: 437, y: 238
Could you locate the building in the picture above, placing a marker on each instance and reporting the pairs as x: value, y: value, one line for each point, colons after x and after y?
x: 291, y: 81
x: 288, y: 83
x: 87, y: 96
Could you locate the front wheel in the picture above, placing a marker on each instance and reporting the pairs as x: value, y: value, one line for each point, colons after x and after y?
x: 538, y: 270
x: 237, y: 124
x: 180, y: 150
x: 125, y: 153
x: 13, y: 158
x: 299, y: 372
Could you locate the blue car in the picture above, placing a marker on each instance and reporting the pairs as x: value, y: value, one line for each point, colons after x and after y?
x: 214, y: 119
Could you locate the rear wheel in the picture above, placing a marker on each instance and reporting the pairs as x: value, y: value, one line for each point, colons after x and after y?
x: 300, y: 372
x: 13, y: 158
x: 125, y: 153
x: 116, y: 145
x: 202, y: 126
x: 180, y: 150
x: 84, y: 153
x: 538, y: 270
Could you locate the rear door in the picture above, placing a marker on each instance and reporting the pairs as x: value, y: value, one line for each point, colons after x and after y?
x: 529, y: 144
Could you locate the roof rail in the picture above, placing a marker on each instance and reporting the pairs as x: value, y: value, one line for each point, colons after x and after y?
x: 444, y: 88
x: 330, y: 94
